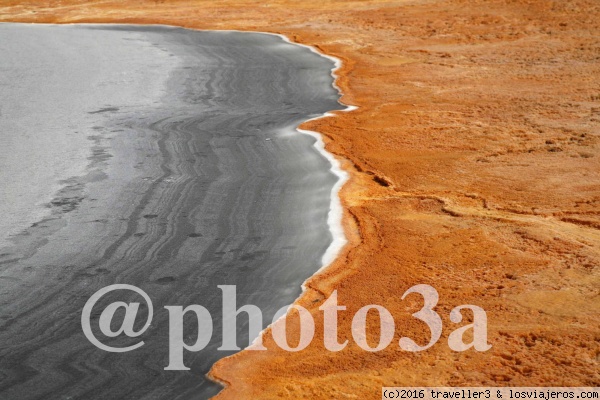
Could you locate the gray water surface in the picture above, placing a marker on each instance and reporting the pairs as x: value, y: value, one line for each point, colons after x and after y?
x: 157, y: 157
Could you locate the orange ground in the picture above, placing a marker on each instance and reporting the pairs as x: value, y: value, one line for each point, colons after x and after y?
x: 475, y: 164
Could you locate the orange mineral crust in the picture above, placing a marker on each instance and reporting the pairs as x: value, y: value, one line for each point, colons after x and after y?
x: 475, y: 168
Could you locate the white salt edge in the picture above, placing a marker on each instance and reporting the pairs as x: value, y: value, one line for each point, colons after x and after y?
x: 334, y: 217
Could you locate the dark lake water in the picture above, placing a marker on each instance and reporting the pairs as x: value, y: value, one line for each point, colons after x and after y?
x: 157, y: 157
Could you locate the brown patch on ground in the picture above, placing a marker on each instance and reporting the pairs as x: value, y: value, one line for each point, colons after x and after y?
x: 475, y: 165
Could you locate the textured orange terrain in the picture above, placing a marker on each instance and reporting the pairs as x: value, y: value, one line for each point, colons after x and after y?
x: 475, y: 168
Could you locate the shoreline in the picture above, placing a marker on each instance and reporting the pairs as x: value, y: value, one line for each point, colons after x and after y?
x: 336, y: 211
x: 473, y: 167
x: 304, y: 105
x: 334, y: 219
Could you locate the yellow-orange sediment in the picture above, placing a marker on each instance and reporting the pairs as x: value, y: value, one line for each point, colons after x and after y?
x: 475, y: 168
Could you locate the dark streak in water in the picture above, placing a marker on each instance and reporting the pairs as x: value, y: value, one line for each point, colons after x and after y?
x: 106, y: 109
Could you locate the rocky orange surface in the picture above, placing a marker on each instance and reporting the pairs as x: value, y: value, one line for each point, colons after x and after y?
x: 475, y: 168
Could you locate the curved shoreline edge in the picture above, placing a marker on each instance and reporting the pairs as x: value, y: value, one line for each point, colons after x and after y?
x: 336, y: 209
x: 334, y: 219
